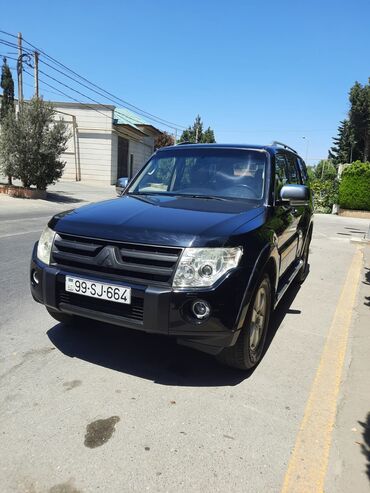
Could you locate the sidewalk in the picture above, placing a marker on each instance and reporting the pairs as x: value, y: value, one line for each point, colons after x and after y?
x: 349, y: 466
x: 61, y: 196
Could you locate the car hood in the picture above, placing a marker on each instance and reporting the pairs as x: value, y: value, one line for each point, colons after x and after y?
x: 152, y: 219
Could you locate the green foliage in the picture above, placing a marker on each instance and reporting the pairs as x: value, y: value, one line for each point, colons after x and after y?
x: 7, y: 145
x: 30, y: 145
x: 325, y: 193
x: 359, y: 116
x: 7, y: 84
x: 353, y: 140
x: 354, y: 189
x: 163, y: 140
x: 311, y: 173
x: 344, y: 148
x: 197, y: 134
x: 325, y: 170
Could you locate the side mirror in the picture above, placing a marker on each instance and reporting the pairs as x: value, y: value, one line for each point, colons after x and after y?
x: 295, y: 194
x: 121, y: 185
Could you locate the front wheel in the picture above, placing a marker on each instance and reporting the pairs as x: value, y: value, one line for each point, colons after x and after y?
x: 248, y: 350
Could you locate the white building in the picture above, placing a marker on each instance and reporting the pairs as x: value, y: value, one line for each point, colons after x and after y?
x: 106, y: 143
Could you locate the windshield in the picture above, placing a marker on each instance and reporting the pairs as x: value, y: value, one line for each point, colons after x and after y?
x: 208, y: 173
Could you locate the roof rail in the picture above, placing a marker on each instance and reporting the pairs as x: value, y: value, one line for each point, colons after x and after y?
x: 276, y: 143
x: 184, y: 142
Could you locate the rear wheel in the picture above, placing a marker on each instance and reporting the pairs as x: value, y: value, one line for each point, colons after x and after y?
x: 248, y: 350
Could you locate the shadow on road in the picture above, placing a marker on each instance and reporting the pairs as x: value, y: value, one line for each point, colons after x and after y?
x: 154, y: 357
x: 365, y: 447
x: 62, y: 198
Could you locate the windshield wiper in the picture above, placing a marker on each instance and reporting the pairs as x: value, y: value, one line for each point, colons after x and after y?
x: 174, y: 194
x: 200, y: 196
x: 141, y: 196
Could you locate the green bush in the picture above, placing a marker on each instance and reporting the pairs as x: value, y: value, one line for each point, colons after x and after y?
x: 325, y: 194
x: 354, y: 189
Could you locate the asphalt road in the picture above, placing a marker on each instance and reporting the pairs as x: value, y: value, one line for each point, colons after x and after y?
x: 98, y: 408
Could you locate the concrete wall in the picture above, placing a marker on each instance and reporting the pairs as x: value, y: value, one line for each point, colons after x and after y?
x: 93, y: 142
x: 92, y: 152
x: 141, y: 151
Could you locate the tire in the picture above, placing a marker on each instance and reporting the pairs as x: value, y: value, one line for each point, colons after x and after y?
x: 248, y: 350
x: 63, y: 318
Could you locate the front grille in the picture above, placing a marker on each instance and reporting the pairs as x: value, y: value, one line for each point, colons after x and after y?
x: 134, y: 262
x: 134, y: 311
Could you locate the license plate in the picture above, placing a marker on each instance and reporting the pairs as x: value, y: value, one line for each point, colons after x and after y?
x: 100, y: 290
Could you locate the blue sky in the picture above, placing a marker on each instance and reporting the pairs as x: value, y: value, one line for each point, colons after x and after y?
x: 254, y: 70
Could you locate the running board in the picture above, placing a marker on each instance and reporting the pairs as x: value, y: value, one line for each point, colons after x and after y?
x: 289, y: 281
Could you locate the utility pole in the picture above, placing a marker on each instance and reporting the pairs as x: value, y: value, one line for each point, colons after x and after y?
x: 36, y: 72
x: 307, y: 141
x: 20, y: 71
x: 196, y: 134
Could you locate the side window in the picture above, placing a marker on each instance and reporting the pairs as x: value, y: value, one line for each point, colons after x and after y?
x: 302, y: 169
x: 293, y: 175
x: 281, y: 175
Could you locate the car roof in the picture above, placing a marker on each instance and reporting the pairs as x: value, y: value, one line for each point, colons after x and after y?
x: 269, y: 148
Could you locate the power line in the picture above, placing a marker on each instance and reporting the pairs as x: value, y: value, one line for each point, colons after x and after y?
x: 126, y: 117
x: 123, y: 102
x: 68, y: 96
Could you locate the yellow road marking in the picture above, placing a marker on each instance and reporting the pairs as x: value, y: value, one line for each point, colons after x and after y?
x: 309, y: 460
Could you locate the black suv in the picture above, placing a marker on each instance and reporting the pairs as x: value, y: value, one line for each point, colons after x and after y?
x: 202, y: 245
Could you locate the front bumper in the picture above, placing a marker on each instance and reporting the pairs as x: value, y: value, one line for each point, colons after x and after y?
x: 154, y: 309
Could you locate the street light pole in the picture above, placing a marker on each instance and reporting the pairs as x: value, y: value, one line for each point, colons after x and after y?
x: 307, y: 141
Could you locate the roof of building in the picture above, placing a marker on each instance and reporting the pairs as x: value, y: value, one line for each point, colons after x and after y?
x: 123, y: 116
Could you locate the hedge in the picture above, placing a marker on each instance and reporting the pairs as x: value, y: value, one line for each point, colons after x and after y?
x: 354, y: 188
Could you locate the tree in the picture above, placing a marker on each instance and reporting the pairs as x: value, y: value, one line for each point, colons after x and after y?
x: 359, y: 116
x: 163, y: 140
x: 196, y: 134
x: 7, y: 103
x: 7, y: 85
x: 353, y: 141
x: 344, y: 149
x: 32, y: 144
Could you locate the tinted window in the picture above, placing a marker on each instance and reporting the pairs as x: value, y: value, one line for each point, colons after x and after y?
x: 229, y: 173
x: 302, y: 169
x: 293, y: 175
x: 281, y: 173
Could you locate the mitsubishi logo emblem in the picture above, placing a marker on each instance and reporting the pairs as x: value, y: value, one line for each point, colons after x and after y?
x: 107, y: 257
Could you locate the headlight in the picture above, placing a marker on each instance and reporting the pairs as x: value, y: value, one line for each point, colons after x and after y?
x: 45, y: 244
x: 202, y: 267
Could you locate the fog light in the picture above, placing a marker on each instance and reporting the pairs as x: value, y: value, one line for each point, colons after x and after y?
x: 201, y: 309
x: 35, y: 277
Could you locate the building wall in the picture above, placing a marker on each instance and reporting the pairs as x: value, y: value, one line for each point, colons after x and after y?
x: 93, y: 142
x: 114, y: 158
x: 141, y: 151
